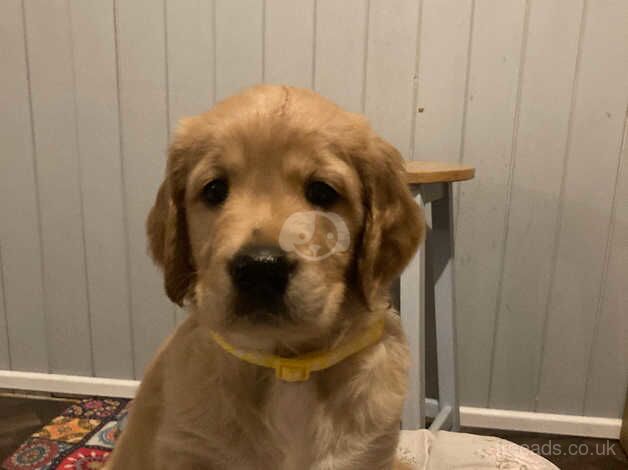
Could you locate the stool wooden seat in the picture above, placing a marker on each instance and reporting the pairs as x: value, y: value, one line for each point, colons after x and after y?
x: 437, y: 172
x: 432, y: 275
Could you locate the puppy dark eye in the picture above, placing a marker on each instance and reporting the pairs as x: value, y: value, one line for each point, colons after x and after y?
x: 216, y: 191
x: 321, y: 194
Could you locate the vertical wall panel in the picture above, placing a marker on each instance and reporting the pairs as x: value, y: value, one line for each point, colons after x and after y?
x: 390, y: 70
x: 600, y: 106
x: 5, y: 357
x: 443, y: 60
x: 239, y: 45
x: 548, y: 74
x: 340, y: 47
x: 493, y: 84
x: 19, y: 230
x: 289, y: 42
x: 49, y: 37
x: 93, y: 31
x: 608, y: 367
x: 144, y: 128
x: 190, y: 56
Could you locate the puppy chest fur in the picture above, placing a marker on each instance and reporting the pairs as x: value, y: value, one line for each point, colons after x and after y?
x: 290, y: 412
x: 218, y: 412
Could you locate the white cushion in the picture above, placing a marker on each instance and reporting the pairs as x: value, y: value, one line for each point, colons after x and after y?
x: 424, y: 450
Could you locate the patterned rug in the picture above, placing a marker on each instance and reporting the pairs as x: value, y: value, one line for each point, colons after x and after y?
x: 80, y: 439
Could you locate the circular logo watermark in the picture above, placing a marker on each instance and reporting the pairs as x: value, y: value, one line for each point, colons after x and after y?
x: 314, y: 235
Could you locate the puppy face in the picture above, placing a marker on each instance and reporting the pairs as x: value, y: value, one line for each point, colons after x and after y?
x: 243, y: 203
x: 279, y: 208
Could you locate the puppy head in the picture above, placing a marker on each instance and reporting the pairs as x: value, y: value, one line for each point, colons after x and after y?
x: 278, y: 208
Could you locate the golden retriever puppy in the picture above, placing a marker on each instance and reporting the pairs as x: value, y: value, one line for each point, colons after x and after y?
x: 280, y: 225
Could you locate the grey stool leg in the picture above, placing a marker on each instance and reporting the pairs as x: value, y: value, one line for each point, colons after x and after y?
x: 442, y: 251
x: 412, y: 310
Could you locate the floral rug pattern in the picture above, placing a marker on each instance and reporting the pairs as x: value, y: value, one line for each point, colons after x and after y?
x: 80, y: 439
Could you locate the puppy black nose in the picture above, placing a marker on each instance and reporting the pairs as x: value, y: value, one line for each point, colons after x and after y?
x: 261, y: 271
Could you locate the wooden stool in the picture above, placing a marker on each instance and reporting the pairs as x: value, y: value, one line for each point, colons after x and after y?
x: 431, y: 185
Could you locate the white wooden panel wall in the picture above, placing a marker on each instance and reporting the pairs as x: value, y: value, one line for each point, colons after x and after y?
x: 497, y: 43
x: 239, y: 40
x: 609, y: 359
x: 533, y: 93
x: 53, y: 106
x: 5, y: 363
x: 104, y: 224
x: 340, y: 50
x: 539, y: 153
x: 288, y: 42
x: 20, y: 225
x: 390, y: 69
x: 582, y: 254
x: 442, y: 79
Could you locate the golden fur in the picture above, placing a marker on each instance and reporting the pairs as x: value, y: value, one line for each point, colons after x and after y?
x: 199, y: 407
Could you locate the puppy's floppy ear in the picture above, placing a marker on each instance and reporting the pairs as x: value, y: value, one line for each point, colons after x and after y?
x: 394, y: 224
x: 167, y: 228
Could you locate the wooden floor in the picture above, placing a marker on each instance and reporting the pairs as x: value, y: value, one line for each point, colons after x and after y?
x: 20, y: 417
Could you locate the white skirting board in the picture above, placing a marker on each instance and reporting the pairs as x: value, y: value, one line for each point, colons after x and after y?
x: 589, y: 426
x: 68, y: 384
x: 549, y: 423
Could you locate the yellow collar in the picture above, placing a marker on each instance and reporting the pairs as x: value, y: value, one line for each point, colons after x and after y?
x: 297, y: 369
